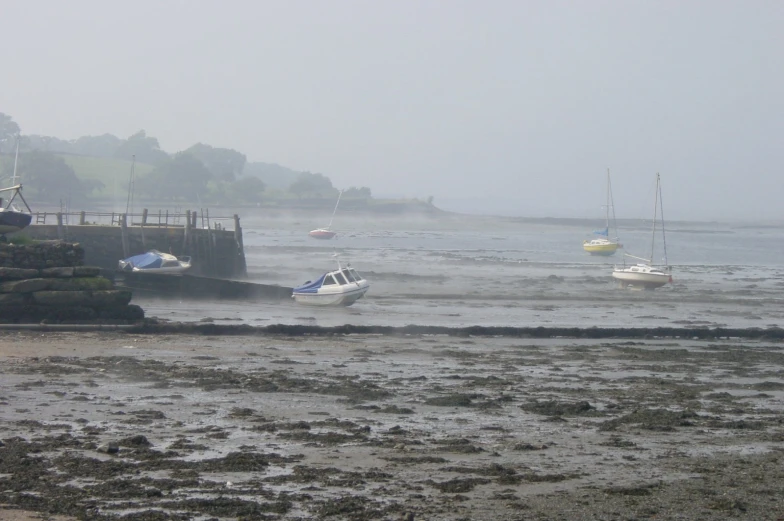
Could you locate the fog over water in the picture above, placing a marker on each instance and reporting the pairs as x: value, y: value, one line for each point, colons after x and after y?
x: 511, y: 107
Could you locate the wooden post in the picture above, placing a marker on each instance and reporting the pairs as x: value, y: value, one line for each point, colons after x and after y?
x: 81, y: 218
x: 241, y: 268
x: 124, y: 234
x: 187, y: 234
x: 144, y: 221
x: 60, y: 226
x: 194, y: 216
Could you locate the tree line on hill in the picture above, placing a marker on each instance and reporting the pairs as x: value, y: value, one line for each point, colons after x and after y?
x: 201, y: 173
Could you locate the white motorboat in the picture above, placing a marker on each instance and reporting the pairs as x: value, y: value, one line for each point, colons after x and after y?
x: 341, y: 287
x: 155, y: 261
x: 645, y: 275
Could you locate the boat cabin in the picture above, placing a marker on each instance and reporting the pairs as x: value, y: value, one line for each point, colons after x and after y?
x: 341, y: 277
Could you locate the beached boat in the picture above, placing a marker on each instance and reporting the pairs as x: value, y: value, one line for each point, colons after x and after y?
x: 155, y: 261
x: 340, y: 287
x: 603, y: 245
x: 12, y: 217
x: 327, y: 233
x: 645, y: 275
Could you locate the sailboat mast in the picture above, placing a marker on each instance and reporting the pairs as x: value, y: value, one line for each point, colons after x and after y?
x: 16, y: 160
x: 129, y: 201
x: 655, y: 211
x: 661, y: 210
x: 335, y: 210
x: 612, y: 204
x: 607, y: 207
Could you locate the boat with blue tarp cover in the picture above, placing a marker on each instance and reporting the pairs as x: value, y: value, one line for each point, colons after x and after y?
x: 155, y: 261
x: 341, y: 287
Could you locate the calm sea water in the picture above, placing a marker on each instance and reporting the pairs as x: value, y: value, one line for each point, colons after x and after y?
x: 472, y: 270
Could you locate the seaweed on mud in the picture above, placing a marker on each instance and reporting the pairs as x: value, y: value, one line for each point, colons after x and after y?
x: 457, y: 485
x: 229, y: 507
x: 721, y: 396
x: 414, y: 460
x: 453, y: 400
x: 394, y: 409
x: 555, y: 408
x: 529, y: 447
x: 185, y: 444
x: 653, y: 419
x: 135, y: 441
x: 494, y: 469
x: 768, y: 386
x: 324, y: 438
x: 548, y: 478
x: 639, y: 490
x: 241, y: 412
x: 354, y: 508
x: 457, y: 445
x: 737, y: 424
x: 618, y: 442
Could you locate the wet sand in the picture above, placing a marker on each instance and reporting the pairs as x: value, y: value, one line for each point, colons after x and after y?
x: 110, y: 425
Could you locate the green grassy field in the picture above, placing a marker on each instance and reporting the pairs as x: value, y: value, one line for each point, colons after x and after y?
x: 113, y: 173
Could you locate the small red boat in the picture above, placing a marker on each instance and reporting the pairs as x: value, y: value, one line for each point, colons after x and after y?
x: 326, y: 233
x: 322, y: 233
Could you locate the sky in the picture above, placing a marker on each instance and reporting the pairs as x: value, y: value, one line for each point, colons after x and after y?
x: 514, y: 107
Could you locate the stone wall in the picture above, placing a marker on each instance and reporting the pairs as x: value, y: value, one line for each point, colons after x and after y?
x: 47, y: 282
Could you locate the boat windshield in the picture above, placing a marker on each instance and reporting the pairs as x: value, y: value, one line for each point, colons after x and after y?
x: 328, y: 281
x: 348, y: 275
x: 356, y: 275
x: 340, y: 278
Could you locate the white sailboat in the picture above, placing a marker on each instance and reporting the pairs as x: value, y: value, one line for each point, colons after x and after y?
x: 645, y: 275
x: 12, y: 217
x: 603, y: 245
x: 327, y: 233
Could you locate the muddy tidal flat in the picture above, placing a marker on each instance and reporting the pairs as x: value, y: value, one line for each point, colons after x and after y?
x: 112, y: 425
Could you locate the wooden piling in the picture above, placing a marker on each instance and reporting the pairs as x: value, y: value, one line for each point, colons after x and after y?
x: 60, y: 233
x: 241, y: 266
x: 124, y: 234
x: 186, y: 243
x: 82, y: 218
x: 144, y: 221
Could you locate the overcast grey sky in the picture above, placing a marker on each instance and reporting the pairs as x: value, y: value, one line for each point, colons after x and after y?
x: 511, y: 106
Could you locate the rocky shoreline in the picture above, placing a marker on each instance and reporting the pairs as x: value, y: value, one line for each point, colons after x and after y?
x: 174, y: 426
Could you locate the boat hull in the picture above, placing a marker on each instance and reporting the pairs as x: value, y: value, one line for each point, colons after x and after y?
x: 642, y: 279
x: 603, y: 248
x: 344, y: 297
x: 12, y: 221
x: 322, y: 234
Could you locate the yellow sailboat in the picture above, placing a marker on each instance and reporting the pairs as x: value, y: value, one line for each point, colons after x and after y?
x: 603, y: 245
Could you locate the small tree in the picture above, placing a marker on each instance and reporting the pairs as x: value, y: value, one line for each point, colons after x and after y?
x: 358, y: 193
x: 9, y: 130
x: 146, y: 149
x: 247, y: 190
x: 225, y: 164
x: 181, y: 177
x: 49, y: 175
x: 312, y: 184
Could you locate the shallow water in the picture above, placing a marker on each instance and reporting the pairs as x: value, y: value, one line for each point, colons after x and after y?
x: 471, y: 270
